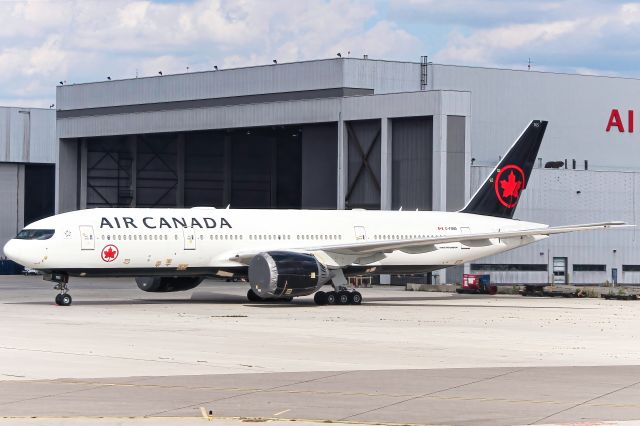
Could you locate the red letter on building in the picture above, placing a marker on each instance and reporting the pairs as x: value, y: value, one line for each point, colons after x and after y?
x: 615, y: 121
x: 630, y: 121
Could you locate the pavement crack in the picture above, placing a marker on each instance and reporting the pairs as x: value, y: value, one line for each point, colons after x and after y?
x: 250, y: 393
x: 35, y: 398
x: 586, y: 402
x: 160, y: 361
x: 429, y: 394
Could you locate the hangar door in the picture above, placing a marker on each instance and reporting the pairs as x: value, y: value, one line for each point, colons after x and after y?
x: 412, y: 153
x: 363, y: 190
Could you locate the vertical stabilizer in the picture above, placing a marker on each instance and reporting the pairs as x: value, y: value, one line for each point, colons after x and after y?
x: 500, y: 193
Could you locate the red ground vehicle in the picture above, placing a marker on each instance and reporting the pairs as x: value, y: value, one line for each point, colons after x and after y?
x: 477, y: 284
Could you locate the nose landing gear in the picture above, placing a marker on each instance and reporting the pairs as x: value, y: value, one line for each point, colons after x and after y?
x: 61, y: 280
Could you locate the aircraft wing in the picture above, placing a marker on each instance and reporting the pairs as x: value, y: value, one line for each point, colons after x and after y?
x: 422, y: 245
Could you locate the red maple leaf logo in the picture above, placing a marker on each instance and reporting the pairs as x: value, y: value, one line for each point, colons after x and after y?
x: 511, y: 187
x: 109, y: 253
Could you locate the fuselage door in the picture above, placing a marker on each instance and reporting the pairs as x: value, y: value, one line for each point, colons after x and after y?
x: 189, y: 238
x: 360, y: 232
x: 87, y: 239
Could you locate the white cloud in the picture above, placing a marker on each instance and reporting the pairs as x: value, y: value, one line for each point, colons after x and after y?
x: 603, y: 37
x: 45, y: 41
x: 479, y: 47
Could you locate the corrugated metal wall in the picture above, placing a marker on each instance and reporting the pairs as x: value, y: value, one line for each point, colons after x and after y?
x: 27, y: 135
x: 577, y: 107
x: 455, y: 162
x: 563, y: 197
x: 11, y: 213
x: 381, y: 76
x: 412, y: 166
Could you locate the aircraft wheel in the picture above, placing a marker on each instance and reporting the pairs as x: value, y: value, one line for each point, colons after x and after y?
x: 343, y: 298
x: 59, y: 299
x: 331, y: 298
x: 355, y: 298
x: 320, y: 298
x: 65, y: 299
x: 253, y: 297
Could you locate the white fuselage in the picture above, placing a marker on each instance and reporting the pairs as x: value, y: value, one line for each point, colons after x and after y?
x: 204, y: 241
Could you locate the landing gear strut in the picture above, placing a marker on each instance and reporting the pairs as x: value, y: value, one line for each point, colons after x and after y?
x: 61, y: 280
x: 343, y: 293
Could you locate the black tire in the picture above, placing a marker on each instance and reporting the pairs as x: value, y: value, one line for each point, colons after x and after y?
x: 65, y: 299
x: 331, y: 298
x: 343, y: 298
x: 59, y: 299
x: 355, y: 298
x: 320, y: 298
x: 253, y: 297
x: 285, y: 299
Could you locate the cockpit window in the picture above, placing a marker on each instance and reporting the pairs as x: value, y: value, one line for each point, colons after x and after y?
x: 35, y: 234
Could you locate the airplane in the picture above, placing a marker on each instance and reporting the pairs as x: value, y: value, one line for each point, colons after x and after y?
x: 286, y: 253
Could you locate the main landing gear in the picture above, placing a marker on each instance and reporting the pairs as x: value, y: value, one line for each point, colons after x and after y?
x: 61, y: 280
x: 342, y: 294
x: 342, y: 297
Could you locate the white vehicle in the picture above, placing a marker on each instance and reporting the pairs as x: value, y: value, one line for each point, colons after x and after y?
x: 285, y: 253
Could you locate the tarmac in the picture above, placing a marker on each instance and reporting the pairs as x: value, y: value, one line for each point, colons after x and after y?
x: 122, y: 356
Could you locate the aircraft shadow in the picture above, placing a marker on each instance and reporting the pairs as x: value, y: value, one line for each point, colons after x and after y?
x: 229, y: 299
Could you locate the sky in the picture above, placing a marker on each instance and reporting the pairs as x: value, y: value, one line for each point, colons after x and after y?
x: 43, y: 42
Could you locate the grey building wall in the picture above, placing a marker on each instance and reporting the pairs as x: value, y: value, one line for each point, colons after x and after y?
x: 564, y: 197
x: 379, y: 76
x: 456, y: 162
x: 576, y: 106
x: 27, y: 135
x: 12, y: 194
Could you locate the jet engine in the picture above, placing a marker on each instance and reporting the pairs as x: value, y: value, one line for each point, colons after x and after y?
x: 167, y: 284
x: 282, y: 274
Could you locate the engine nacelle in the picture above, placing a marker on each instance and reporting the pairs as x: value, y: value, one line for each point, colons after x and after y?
x: 280, y: 274
x: 167, y: 284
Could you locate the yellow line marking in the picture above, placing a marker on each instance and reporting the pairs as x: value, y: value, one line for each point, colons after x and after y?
x: 282, y: 412
x: 205, y: 414
x: 240, y: 418
x: 320, y: 392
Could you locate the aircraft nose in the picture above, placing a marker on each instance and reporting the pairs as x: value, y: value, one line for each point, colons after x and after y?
x: 10, y: 250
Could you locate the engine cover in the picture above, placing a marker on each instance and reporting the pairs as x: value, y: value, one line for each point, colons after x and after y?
x: 167, y: 284
x: 279, y: 274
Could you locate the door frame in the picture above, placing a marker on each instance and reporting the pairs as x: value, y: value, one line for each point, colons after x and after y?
x: 87, y: 230
x: 189, y: 234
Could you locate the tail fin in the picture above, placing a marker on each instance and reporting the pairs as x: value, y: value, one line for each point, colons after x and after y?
x: 500, y: 193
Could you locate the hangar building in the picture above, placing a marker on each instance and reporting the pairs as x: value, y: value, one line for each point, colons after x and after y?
x: 360, y: 133
x: 27, y: 169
